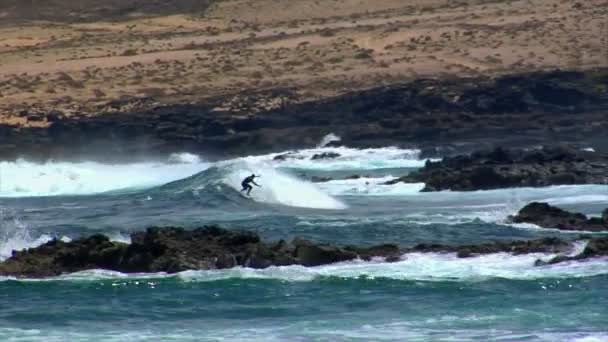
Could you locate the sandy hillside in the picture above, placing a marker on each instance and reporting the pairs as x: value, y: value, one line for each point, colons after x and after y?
x: 95, y: 59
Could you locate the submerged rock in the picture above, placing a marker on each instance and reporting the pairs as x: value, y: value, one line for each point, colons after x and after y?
x: 545, y: 245
x: 501, y: 168
x: 325, y: 155
x: 544, y: 215
x: 287, y: 156
x: 596, y: 247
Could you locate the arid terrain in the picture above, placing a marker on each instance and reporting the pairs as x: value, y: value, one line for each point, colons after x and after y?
x: 79, y: 64
x: 61, y: 61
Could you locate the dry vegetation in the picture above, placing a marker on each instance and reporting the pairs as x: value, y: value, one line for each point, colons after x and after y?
x: 317, y: 48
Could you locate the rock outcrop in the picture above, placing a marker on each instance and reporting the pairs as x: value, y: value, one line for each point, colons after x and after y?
x: 173, y: 250
x: 544, y: 215
x: 502, y: 168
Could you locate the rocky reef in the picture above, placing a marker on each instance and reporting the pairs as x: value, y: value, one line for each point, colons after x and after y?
x: 504, y: 168
x: 172, y: 249
x: 544, y: 215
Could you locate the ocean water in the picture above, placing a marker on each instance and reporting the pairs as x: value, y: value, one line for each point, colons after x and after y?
x: 422, y: 297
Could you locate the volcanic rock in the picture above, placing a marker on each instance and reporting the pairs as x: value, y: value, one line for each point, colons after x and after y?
x: 501, y: 168
x: 173, y: 249
x: 544, y: 215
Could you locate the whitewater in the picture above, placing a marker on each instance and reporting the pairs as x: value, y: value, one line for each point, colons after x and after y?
x: 341, y: 199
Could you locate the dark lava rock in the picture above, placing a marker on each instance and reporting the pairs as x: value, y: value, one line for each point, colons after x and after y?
x: 501, y: 168
x: 173, y: 250
x: 596, y: 247
x: 325, y: 155
x: 320, y: 179
x: 544, y: 215
x: 545, y: 245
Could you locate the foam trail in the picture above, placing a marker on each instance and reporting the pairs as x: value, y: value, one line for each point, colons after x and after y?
x: 577, y: 199
x: 27, y: 179
x: 421, y: 266
x: 370, y: 186
x: 413, y: 266
x: 280, y: 188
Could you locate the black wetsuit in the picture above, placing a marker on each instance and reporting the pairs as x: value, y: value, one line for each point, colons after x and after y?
x: 246, y: 186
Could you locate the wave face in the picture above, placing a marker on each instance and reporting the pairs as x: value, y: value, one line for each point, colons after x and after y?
x: 28, y: 179
x: 276, y: 187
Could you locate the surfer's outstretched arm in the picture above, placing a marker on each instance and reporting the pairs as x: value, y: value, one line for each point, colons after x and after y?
x: 256, y: 184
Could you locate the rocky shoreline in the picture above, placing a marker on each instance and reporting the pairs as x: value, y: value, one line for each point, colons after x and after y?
x: 441, y: 116
x: 172, y: 250
x: 505, y: 168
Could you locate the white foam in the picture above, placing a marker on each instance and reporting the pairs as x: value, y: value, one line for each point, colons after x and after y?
x: 25, y: 179
x: 413, y: 266
x: 421, y: 266
x: 565, y: 200
x: 349, y: 159
x: 327, y: 139
x: 184, y: 158
x: 592, y: 338
x: 370, y: 186
x: 532, y: 226
x: 279, y: 188
x: 405, y: 329
x: 14, y: 235
x: 120, y: 237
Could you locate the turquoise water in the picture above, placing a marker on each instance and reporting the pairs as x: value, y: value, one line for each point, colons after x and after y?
x: 423, y: 297
x: 324, y: 309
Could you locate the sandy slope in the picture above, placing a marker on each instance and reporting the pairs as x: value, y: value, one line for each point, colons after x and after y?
x: 315, y: 48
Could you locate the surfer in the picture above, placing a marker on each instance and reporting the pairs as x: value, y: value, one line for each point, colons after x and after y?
x: 245, y: 183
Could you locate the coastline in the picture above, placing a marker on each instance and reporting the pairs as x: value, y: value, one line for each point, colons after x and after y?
x: 438, y: 116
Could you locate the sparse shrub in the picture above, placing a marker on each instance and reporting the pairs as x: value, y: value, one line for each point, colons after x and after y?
x: 326, y: 33
x: 129, y: 52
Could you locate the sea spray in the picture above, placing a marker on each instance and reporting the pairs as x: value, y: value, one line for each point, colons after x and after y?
x: 277, y: 187
x: 15, y: 235
x: 328, y: 139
